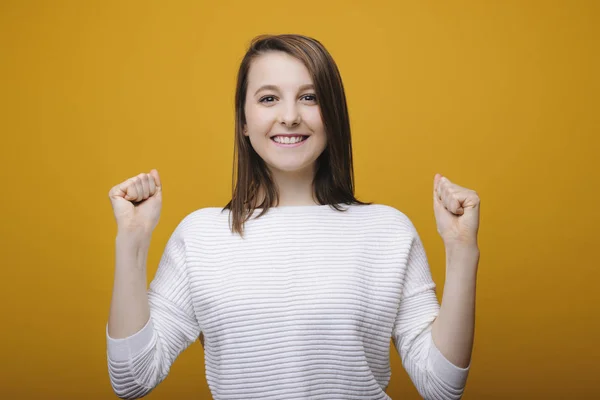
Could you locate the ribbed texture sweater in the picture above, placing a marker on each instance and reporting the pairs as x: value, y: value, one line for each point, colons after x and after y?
x: 302, y: 307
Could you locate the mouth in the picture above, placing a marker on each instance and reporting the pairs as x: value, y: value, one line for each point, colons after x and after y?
x: 289, y: 140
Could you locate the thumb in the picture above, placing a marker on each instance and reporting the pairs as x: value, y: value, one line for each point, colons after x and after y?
x: 438, y: 207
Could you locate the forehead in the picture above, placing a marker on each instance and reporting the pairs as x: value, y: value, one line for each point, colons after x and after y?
x: 277, y: 68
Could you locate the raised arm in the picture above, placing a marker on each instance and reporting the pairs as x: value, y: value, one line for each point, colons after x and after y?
x: 147, y: 327
x: 433, y: 374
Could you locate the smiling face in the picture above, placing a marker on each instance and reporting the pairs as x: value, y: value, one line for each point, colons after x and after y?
x: 283, y: 119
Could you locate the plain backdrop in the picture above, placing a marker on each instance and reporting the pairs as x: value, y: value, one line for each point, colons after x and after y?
x: 499, y: 96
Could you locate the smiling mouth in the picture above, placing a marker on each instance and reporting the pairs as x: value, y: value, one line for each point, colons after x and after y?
x: 286, y: 139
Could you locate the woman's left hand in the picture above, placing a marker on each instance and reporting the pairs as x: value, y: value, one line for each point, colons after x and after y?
x: 456, y: 212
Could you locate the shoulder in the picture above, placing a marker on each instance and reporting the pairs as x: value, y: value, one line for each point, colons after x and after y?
x: 388, y: 216
x: 205, y: 215
x: 201, y: 220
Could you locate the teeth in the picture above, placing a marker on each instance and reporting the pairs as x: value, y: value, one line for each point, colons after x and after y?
x: 287, y: 139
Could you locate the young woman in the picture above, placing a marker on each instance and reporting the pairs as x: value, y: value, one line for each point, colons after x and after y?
x: 295, y: 288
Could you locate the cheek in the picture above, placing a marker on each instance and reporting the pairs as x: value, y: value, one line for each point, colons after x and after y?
x: 258, y: 120
x: 315, y: 123
x: 312, y: 118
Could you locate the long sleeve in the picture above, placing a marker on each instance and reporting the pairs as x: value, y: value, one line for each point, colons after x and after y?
x: 138, y: 363
x: 434, y: 376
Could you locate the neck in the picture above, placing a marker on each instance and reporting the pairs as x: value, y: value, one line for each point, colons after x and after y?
x: 295, y: 188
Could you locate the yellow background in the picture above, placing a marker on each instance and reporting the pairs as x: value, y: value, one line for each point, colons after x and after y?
x: 499, y: 96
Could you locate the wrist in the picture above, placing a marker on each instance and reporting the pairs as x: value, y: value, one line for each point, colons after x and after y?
x: 467, y: 247
x: 134, y: 238
x: 463, y: 256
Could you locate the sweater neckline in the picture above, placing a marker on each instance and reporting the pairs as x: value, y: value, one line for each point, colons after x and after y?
x: 301, y: 208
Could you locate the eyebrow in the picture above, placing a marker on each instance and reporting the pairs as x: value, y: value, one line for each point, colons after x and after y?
x: 275, y: 88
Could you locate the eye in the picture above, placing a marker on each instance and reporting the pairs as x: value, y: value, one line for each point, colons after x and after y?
x: 310, y: 97
x: 267, y: 99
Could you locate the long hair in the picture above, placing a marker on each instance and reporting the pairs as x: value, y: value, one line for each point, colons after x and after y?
x: 333, y: 182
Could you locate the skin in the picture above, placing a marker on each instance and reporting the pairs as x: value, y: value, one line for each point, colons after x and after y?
x: 456, y: 211
x: 280, y: 100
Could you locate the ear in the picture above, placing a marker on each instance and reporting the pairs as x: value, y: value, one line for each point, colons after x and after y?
x: 245, y: 130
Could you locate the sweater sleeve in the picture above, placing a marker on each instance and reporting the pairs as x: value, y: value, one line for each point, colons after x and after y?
x: 138, y: 363
x: 434, y: 376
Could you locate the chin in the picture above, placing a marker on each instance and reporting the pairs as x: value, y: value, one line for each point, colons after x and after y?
x: 288, y: 167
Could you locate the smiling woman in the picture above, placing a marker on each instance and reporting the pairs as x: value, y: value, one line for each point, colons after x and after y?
x: 301, y: 300
x: 292, y: 129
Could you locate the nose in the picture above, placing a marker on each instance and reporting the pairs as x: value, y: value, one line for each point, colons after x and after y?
x: 290, y: 116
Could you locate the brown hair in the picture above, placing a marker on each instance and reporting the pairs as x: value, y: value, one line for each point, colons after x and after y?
x: 334, y: 175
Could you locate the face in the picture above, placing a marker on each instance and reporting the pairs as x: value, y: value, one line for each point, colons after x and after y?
x: 283, y: 120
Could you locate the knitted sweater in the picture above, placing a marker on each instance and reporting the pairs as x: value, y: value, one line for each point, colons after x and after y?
x: 302, y: 307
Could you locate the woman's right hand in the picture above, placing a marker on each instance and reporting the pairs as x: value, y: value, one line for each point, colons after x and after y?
x: 137, y: 202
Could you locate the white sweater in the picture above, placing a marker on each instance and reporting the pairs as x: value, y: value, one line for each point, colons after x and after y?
x: 303, y: 307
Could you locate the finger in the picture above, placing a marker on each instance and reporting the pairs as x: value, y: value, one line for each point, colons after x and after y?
x: 447, y: 200
x: 139, y: 189
x: 455, y: 205
x: 442, y: 187
x: 458, y: 204
x: 151, y: 184
x: 447, y: 188
x: 436, y: 183
x: 117, y: 191
x: 436, y: 193
x: 156, y: 177
x: 131, y: 190
x: 145, y: 185
x: 447, y: 195
x: 128, y: 187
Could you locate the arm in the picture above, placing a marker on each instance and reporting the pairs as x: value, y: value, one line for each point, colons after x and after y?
x: 433, y: 374
x: 453, y: 329
x: 129, y: 310
x: 148, y: 329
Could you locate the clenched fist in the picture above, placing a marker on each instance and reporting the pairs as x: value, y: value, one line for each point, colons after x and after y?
x: 137, y: 202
